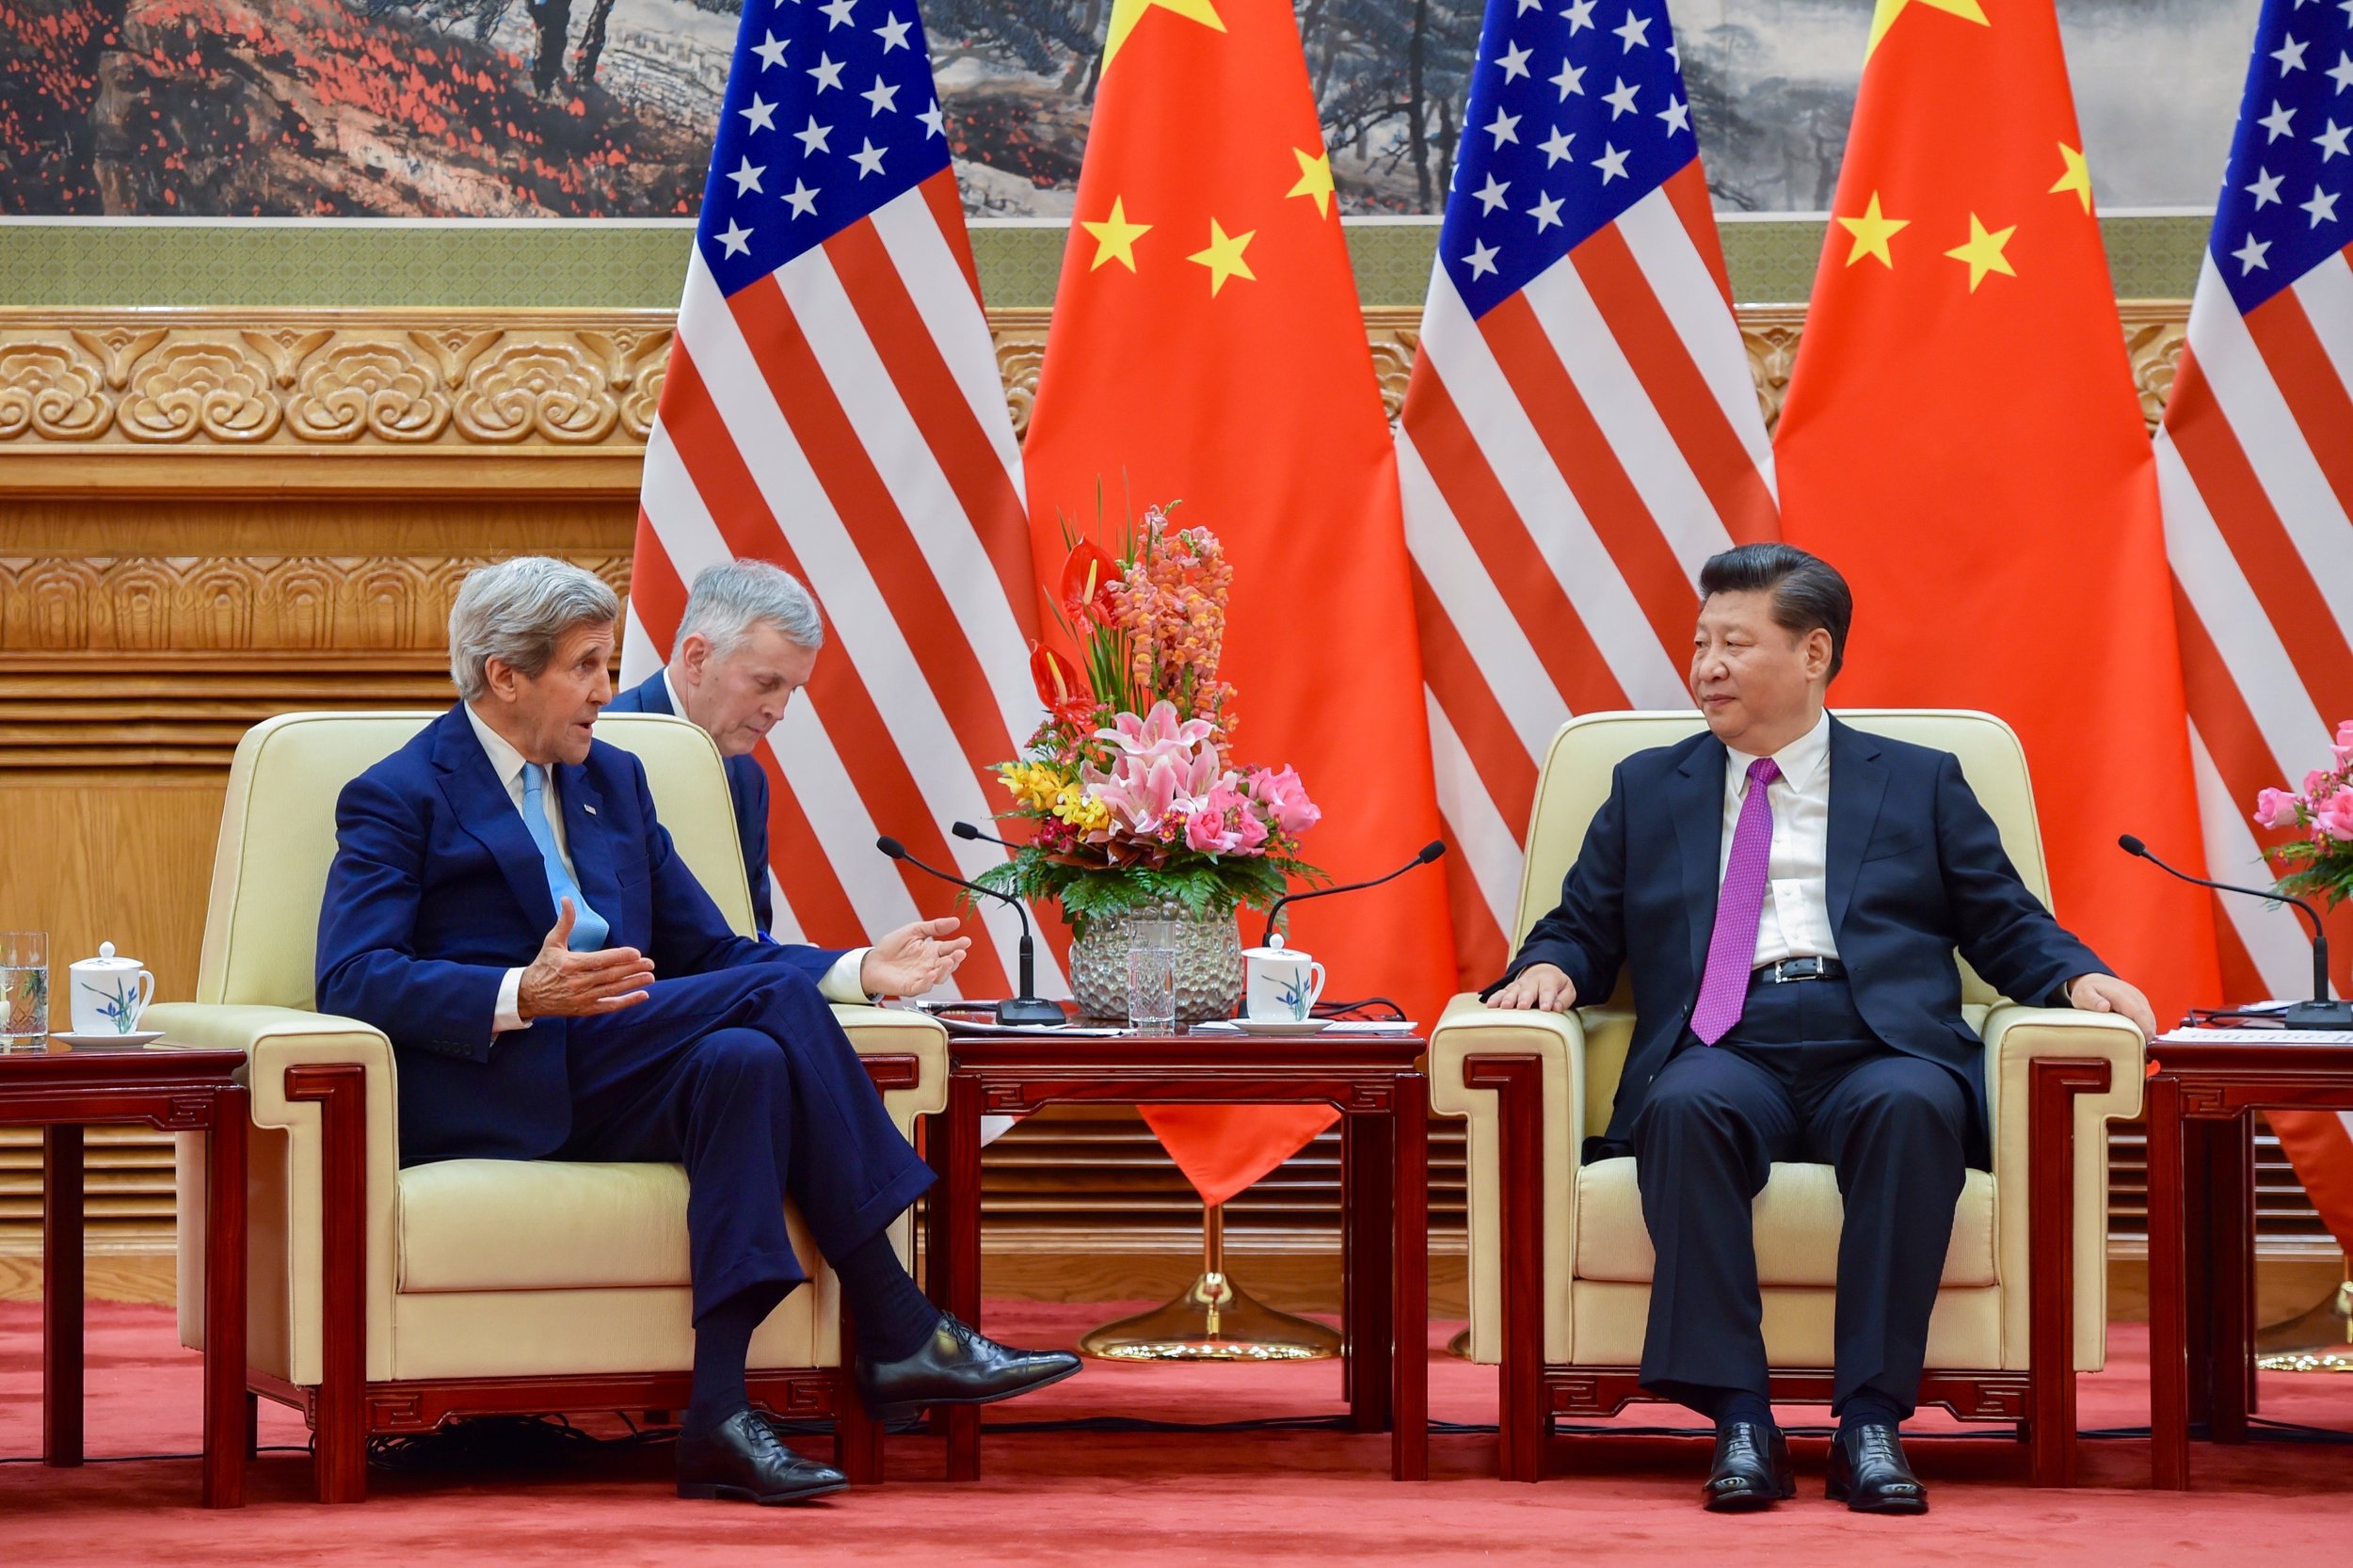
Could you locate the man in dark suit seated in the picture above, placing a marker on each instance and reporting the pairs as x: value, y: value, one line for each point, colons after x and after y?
x: 747, y: 641
x: 557, y: 986
x: 1787, y: 893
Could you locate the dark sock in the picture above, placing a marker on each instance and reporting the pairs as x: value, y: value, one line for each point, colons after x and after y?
x: 1737, y: 1404
x: 1864, y: 1408
x: 723, y: 1344
x: 890, y: 1316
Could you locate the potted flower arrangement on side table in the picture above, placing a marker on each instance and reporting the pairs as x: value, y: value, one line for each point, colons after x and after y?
x: 1134, y: 805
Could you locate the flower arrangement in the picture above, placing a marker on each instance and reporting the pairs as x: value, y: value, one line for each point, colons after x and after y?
x: 1132, y: 801
x: 2319, y: 859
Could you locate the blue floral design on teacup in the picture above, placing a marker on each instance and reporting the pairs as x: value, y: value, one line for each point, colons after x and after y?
x: 119, y: 1007
x: 1296, y: 995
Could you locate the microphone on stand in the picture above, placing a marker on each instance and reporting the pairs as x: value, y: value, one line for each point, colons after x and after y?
x: 1430, y: 852
x: 1027, y: 1008
x: 2319, y: 1013
x: 966, y: 831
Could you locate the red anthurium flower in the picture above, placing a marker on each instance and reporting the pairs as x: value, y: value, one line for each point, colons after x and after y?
x: 1086, y: 580
x: 1058, y: 684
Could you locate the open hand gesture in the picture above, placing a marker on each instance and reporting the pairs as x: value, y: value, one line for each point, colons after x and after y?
x: 561, y: 984
x: 913, y: 959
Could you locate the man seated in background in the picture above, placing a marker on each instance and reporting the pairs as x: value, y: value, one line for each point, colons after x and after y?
x: 557, y: 986
x: 748, y: 640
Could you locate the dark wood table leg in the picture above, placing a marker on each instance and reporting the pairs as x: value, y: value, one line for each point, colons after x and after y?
x: 937, y: 1222
x: 1366, y: 1283
x: 1409, y: 1411
x: 2198, y: 1213
x: 2168, y: 1355
x: 1352, y: 1153
x: 1522, y: 1421
x: 61, y: 1295
x: 962, y: 1252
x: 2228, y: 1268
x: 225, y: 1396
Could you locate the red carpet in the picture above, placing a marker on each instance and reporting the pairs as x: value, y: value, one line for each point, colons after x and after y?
x: 1155, y: 1498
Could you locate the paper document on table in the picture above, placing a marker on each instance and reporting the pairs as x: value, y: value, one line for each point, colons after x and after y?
x: 2257, y: 1038
x: 1336, y: 1026
x: 1060, y: 1031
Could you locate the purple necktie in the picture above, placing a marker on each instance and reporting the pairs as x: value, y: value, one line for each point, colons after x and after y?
x: 1739, y: 904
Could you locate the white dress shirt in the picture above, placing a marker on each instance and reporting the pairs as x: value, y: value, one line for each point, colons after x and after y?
x: 841, y: 982
x: 1795, y: 922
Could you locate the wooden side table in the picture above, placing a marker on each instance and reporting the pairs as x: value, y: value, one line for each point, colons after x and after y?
x: 1375, y: 1080
x: 2202, y: 1194
x: 64, y: 1089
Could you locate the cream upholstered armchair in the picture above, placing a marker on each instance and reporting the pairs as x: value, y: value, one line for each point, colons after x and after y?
x: 387, y: 1301
x: 1561, y: 1259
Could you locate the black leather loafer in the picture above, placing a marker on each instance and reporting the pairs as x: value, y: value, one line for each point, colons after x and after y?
x: 1868, y: 1474
x: 1751, y: 1469
x: 743, y: 1458
x: 958, y: 1365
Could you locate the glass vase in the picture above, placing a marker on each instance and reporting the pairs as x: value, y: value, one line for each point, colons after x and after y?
x: 1208, y: 968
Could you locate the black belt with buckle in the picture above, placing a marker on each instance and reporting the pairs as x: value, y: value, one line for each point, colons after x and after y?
x: 1799, y: 968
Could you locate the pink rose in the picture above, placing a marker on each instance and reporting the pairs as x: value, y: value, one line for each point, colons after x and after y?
x: 2335, y: 818
x: 2276, y: 809
x: 1224, y: 824
x: 1286, y: 800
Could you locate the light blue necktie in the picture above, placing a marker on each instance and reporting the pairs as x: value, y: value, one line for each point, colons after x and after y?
x: 589, y: 929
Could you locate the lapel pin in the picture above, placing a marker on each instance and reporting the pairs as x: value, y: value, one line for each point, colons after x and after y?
x: 586, y: 807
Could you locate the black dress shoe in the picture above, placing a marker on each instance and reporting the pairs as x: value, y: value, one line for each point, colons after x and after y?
x: 958, y: 1365
x: 1751, y: 1469
x: 1868, y: 1474
x: 743, y: 1458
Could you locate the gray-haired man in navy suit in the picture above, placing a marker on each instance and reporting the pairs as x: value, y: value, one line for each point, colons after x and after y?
x: 1786, y: 894
x: 747, y: 641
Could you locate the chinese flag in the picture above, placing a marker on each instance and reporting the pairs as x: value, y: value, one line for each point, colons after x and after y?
x: 1207, y: 346
x: 1963, y: 441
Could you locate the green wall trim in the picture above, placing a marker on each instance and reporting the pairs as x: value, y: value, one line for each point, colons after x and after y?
x: 592, y: 265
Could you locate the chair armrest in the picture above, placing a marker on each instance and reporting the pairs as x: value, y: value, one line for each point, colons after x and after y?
x: 287, y: 1167
x: 2015, y: 1037
x: 1468, y: 1028
x: 903, y: 1031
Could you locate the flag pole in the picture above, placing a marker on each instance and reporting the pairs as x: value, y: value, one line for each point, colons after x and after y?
x: 1213, y: 1318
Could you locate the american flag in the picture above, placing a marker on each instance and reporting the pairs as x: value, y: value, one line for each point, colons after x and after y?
x: 2255, y: 465
x: 832, y: 404
x: 1580, y: 431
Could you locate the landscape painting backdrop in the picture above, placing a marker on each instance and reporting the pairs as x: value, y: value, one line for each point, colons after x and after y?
x: 605, y: 108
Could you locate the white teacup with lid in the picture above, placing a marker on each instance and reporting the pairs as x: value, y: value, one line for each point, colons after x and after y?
x: 1280, y: 985
x: 110, y: 993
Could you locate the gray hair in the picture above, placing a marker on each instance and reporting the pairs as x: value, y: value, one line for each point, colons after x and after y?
x: 731, y: 598
x: 517, y: 612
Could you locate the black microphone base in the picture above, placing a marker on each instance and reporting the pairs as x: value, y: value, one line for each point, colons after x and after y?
x: 1037, y: 1010
x: 2320, y: 1014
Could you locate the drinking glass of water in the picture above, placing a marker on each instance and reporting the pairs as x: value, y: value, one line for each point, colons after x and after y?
x: 24, y: 990
x: 1152, y: 975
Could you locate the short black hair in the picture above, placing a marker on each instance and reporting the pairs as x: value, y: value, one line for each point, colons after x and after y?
x: 1807, y: 590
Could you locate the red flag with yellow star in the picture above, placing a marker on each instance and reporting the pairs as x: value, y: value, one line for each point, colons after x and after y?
x: 1962, y: 439
x: 1207, y: 346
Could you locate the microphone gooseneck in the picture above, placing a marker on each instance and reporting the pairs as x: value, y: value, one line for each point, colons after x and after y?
x: 1027, y: 1008
x: 2319, y: 1013
x: 1428, y: 853
x: 966, y: 831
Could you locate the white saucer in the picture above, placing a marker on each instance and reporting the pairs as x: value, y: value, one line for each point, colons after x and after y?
x: 137, y: 1037
x: 1282, y: 1025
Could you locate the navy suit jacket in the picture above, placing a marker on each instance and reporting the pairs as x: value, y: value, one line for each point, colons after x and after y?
x: 746, y: 782
x: 437, y: 889
x: 1915, y: 868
